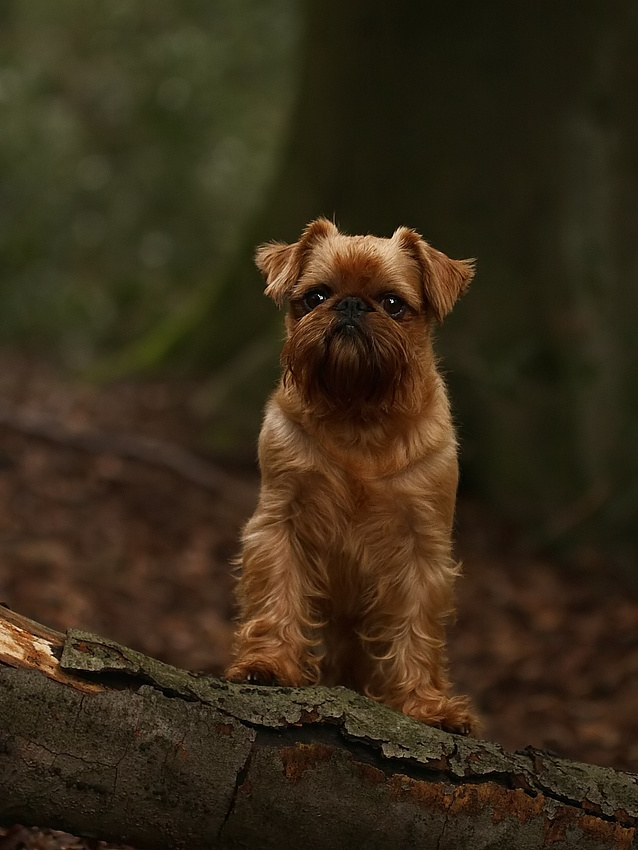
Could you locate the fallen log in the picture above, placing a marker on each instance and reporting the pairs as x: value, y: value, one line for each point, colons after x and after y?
x: 98, y: 740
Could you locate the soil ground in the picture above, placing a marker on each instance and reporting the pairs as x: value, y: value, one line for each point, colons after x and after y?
x: 135, y: 551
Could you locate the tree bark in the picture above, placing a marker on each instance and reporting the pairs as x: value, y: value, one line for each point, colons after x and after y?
x: 99, y: 740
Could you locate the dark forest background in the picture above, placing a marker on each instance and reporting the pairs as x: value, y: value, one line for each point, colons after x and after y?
x: 146, y: 148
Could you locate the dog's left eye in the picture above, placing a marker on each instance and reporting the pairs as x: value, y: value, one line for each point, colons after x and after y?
x: 315, y: 297
x: 393, y: 305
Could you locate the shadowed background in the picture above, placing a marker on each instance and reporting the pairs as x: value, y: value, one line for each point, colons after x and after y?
x: 145, y: 149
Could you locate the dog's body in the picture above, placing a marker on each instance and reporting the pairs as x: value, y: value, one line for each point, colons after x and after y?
x: 350, y: 545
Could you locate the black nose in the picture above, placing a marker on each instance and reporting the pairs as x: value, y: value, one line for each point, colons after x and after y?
x: 351, y: 306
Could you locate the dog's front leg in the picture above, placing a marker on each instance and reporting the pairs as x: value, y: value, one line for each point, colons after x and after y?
x: 405, y: 638
x: 274, y: 641
x: 418, y: 682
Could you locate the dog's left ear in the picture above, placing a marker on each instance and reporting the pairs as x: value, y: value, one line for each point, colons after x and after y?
x: 281, y: 264
x: 444, y: 280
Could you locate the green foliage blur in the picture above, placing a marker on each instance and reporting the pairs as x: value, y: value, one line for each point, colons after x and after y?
x: 136, y: 140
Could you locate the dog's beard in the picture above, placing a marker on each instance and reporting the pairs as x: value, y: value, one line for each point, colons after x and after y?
x: 356, y: 368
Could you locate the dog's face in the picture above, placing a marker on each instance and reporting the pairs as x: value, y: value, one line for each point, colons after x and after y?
x: 360, y: 310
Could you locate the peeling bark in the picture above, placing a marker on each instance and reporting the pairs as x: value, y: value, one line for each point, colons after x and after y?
x: 100, y: 740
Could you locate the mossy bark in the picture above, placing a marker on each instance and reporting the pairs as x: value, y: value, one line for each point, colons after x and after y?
x: 113, y: 744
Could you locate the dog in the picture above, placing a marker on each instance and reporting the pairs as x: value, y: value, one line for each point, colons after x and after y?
x: 347, y: 566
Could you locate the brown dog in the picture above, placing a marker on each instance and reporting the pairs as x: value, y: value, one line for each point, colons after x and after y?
x: 347, y: 563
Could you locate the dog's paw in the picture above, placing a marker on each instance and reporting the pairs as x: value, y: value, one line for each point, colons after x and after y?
x: 458, y: 717
x: 252, y: 672
x: 451, y: 714
x: 466, y: 726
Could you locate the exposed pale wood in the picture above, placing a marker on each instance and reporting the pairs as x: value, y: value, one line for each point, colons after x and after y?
x: 31, y: 646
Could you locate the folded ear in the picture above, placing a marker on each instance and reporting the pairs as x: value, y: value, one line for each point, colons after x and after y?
x: 277, y: 263
x: 282, y: 264
x: 444, y: 280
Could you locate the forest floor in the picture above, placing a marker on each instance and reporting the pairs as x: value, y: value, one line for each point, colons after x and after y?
x: 133, y: 550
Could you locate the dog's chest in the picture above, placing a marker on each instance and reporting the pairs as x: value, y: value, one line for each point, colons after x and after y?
x: 343, y: 518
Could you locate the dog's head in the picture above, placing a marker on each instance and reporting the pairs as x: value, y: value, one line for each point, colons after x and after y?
x: 360, y: 311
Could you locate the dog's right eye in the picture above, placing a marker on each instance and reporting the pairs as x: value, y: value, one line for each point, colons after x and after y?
x: 315, y: 297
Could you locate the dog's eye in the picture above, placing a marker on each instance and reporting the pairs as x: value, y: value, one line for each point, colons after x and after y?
x: 393, y: 305
x: 315, y: 297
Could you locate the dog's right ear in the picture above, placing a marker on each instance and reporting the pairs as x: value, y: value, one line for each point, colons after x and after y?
x: 282, y: 264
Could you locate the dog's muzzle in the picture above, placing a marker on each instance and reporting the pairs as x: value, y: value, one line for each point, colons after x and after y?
x: 350, y: 310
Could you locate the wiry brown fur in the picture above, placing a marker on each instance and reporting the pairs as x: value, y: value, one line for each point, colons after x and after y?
x: 347, y: 563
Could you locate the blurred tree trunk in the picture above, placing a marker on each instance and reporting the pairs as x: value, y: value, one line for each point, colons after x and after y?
x: 507, y: 132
